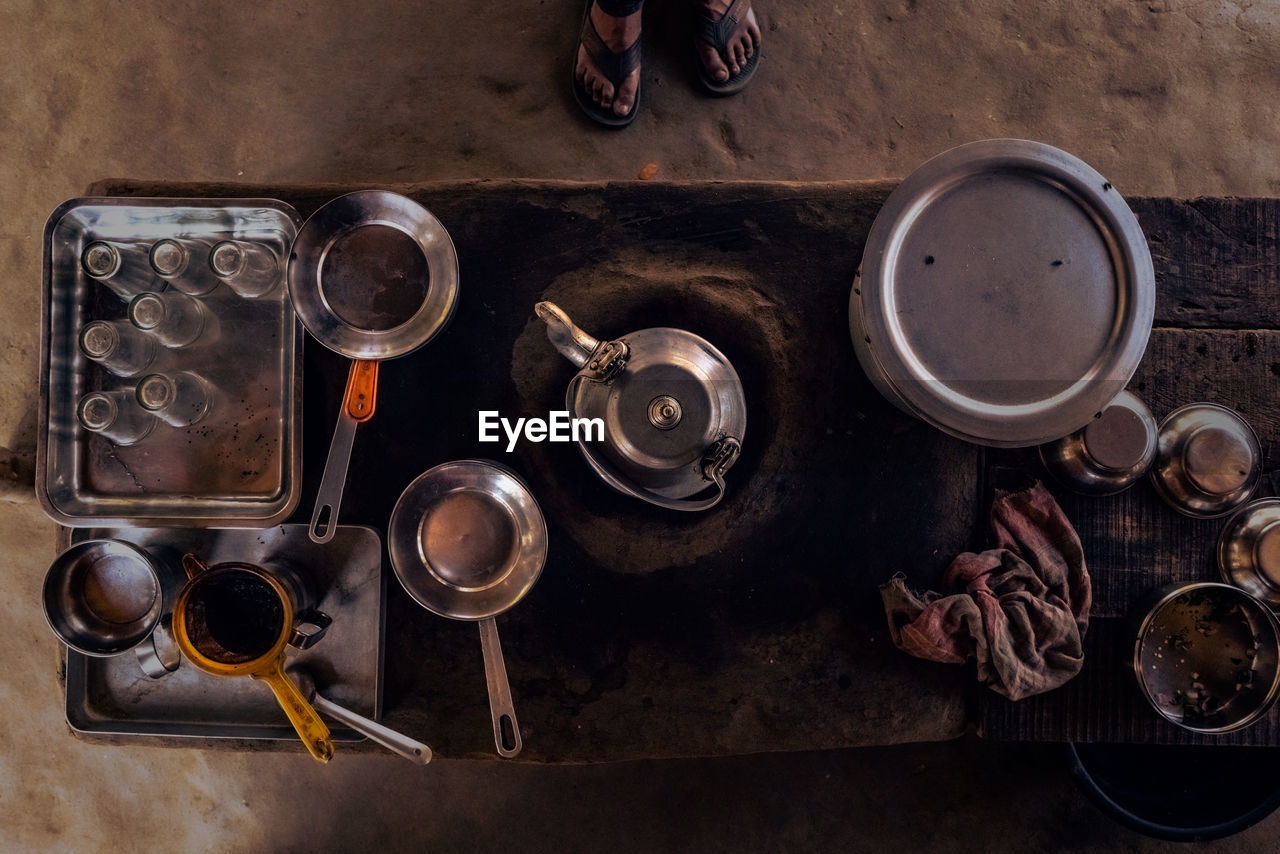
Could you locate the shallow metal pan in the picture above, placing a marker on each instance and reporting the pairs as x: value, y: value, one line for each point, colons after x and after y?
x: 467, y: 541
x: 372, y: 275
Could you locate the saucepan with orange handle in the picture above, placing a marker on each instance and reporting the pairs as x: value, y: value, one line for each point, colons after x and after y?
x: 372, y: 275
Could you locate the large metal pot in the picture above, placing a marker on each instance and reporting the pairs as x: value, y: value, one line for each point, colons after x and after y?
x: 1005, y: 295
x: 672, y: 406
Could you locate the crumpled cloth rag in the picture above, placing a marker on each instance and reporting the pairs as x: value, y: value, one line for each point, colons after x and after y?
x: 1020, y: 609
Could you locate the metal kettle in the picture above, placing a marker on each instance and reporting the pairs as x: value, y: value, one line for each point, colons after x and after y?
x: 672, y: 408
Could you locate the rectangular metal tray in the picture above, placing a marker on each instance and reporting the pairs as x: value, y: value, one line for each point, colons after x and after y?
x: 112, y: 696
x: 238, y: 467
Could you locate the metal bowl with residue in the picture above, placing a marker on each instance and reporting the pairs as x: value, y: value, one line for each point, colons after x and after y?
x: 1206, y: 657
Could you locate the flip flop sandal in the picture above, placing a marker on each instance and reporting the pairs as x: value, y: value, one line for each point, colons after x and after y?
x: 614, y: 66
x: 717, y: 34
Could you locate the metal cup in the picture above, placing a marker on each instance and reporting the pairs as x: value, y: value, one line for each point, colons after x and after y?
x: 105, y: 597
x: 1208, y: 460
x: 1249, y: 550
x: 1109, y: 454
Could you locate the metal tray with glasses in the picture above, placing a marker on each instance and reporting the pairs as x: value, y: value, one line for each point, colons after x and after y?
x: 112, y: 696
x: 170, y: 383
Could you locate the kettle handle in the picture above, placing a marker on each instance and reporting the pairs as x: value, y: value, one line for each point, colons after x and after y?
x: 683, y: 504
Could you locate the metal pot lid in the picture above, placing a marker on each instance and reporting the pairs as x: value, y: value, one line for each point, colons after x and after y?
x: 676, y: 396
x: 1006, y: 294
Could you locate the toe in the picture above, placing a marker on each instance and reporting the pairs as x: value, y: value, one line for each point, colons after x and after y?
x: 753, y: 28
x: 712, y: 62
x: 626, y: 98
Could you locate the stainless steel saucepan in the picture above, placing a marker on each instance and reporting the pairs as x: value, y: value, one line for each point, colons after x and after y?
x: 372, y: 275
x: 468, y: 541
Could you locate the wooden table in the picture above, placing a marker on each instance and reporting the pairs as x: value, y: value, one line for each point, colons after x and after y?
x: 1216, y: 338
x: 755, y: 626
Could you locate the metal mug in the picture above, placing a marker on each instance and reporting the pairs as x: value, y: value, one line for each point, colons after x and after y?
x: 105, y: 597
x: 236, y: 619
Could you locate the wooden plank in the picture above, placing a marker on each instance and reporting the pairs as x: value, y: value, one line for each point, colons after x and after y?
x: 1133, y: 541
x: 1217, y: 261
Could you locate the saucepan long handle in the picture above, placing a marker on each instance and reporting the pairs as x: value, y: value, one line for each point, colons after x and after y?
x: 506, y: 731
x: 411, y: 749
x: 324, y: 519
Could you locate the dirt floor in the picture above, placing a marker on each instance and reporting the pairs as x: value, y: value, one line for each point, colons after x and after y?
x: 1163, y: 97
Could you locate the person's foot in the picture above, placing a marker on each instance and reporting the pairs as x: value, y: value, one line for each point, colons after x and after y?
x: 725, y: 61
x: 618, y: 34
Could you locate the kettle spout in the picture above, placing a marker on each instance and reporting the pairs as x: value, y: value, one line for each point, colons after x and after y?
x: 574, y: 344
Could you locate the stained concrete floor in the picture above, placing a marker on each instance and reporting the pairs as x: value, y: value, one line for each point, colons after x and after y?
x: 1164, y: 97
